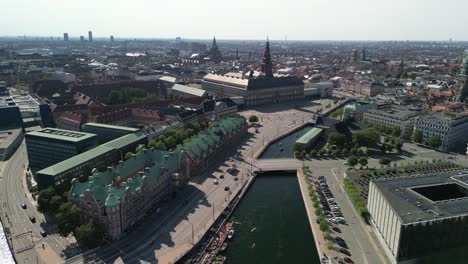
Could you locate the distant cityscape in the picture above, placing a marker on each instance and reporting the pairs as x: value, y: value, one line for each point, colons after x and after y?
x: 120, y: 150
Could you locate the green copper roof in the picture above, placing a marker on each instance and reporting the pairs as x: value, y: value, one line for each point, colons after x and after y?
x: 199, y: 146
x: 312, y: 134
x: 108, y: 188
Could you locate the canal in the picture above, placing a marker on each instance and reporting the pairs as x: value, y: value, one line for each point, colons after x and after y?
x: 283, y: 148
x: 271, y: 224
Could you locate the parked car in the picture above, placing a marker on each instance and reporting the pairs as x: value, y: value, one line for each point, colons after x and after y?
x: 348, y: 260
x: 344, y: 251
x: 43, y: 233
x: 216, y: 181
x: 222, y: 176
x: 336, y: 229
x: 226, y: 188
x: 23, y: 205
x: 32, y: 219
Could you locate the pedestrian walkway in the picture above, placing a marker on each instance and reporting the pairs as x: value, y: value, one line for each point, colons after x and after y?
x: 320, y: 242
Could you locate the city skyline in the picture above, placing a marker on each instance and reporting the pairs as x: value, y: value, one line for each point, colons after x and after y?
x: 301, y: 20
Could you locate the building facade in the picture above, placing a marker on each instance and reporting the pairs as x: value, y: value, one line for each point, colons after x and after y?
x: 60, y: 174
x: 451, y: 129
x: 123, y: 194
x: 401, y: 117
x: 264, y: 89
x: 49, y: 146
x: 415, y: 217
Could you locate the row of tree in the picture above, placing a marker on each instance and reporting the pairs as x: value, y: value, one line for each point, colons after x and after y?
x: 332, y: 152
x: 67, y: 218
x: 433, y: 141
x: 173, y: 137
x: 355, y: 198
x: 387, y: 130
x: 323, y: 224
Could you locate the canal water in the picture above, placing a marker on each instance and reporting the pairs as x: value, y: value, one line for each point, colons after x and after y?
x: 271, y: 224
x: 283, y: 148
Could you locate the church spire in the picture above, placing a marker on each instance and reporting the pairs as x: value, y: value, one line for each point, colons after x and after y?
x: 214, y: 45
x: 267, y: 66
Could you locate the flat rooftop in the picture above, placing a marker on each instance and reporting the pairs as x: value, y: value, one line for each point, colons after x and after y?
x: 310, y: 135
x: 129, y: 129
x: 61, y: 134
x: 427, y: 197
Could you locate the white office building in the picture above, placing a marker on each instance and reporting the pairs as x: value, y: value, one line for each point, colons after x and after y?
x: 452, y: 129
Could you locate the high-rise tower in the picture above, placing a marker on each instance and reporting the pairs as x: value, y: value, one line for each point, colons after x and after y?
x: 364, y: 55
x: 90, y: 36
x: 65, y: 36
x: 267, y: 66
x: 112, y: 38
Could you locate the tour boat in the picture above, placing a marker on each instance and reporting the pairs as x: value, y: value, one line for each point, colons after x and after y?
x: 253, y: 229
x: 230, y: 233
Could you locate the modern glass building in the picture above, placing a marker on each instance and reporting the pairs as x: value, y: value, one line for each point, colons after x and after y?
x: 60, y: 175
x: 49, y: 146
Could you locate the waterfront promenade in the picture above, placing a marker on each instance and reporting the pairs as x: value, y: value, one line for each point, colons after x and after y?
x: 320, y: 243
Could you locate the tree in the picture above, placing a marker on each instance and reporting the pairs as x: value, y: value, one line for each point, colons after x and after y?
x: 398, y: 146
x: 352, y: 161
x: 384, y: 161
x: 68, y: 218
x: 434, y: 141
x: 44, y: 198
x: 417, y: 136
x: 139, y: 148
x: 337, y: 139
x: 55, y: 203
x: 170, y: 142
x: 89, y: 236
x: 313, y: 153
x: 152, y: 143
x: 180, y: 135
x: 160, y: 145
x: 253, y: 119
x: 363, y: 162
x: 337, y: 113
x: 368, y: 137
x: 396, y: 131
x: 128, y: 155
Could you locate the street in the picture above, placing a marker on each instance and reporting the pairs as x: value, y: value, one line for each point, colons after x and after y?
x: 25, y: 234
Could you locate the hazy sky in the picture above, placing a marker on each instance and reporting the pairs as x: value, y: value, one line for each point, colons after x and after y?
x: 240, y: 19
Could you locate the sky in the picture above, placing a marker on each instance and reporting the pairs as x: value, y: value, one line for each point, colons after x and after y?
x: 239, y: 19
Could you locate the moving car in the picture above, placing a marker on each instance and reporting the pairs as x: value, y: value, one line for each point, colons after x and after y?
x: 23, y: 205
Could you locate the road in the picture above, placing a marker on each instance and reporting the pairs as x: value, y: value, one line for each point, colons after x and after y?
x: 25, y: 234
x: 168, y: 234
x: 359, y: 237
